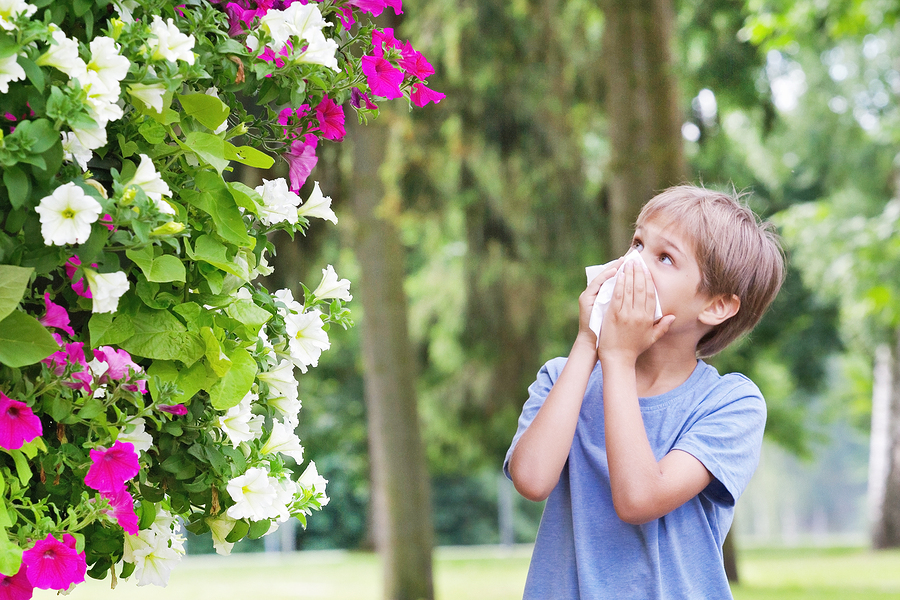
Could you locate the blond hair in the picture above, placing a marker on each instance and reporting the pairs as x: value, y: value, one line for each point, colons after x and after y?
x: 737, y: 254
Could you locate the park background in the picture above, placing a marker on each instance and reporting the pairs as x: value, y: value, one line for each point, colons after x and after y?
x: 465, y: 228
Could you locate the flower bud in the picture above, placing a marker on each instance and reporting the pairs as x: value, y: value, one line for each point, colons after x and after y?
x: 116, y: 27
x: 97, y: 186
x: 128, y: 196
x: 170, y: 228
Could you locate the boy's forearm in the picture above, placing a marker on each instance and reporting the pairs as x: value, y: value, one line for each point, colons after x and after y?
x: 542, y: 451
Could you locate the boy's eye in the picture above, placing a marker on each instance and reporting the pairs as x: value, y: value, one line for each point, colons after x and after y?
x: 665, y: 259
x: 637, y: 245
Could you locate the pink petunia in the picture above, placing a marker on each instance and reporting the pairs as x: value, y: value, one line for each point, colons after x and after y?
x: 16, y: 587
x: 360, y: 99
x: 118, y: 362
x: 138, y: 386
x: 106, y: 220
x: 414, y: 63
x: 269, y: 55
x: 56, y: 316
x: 301, y: 160
x: 383, y: 78
x: 80, y: 286
x: 54, y: 565
x: 345, y: 14
x: 179, y: 410
x: 18, y: 423
x: 121, y: 505
x: 331, y: 119
x: 422, y: 95
x: 112, y: 467
x: 290, y: 118
x: 383, y: 39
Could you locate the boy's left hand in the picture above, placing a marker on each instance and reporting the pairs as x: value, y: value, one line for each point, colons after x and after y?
x: 628, y: 327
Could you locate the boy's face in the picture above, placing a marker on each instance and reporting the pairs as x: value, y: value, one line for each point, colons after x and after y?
x: 670, y: 257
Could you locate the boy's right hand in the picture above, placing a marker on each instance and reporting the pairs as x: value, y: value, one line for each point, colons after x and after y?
x: 586, y: 302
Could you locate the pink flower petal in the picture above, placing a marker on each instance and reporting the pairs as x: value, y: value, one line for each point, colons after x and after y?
x: 18, y: 423
x: 16, y: 587
x: 54, y: 565
x: 422, y: 95
x: 122, y: 510
x: 301, y: 160
x: 179, y: 410
x: 331, y: 119
x: 383, y: 78
x: 112, y: 467
x: 56, y: 316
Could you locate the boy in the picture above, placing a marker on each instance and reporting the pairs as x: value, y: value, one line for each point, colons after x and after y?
x: 641, y: 449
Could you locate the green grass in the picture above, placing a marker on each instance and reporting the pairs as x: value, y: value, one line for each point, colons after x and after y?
x: 490, y: 574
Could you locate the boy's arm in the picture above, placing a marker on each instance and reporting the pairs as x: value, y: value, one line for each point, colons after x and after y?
x: 642, y: 488
x: 542, y: 451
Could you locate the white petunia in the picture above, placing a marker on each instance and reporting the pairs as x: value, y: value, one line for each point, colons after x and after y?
x: 149, y: 180
x: 239, y: 423
x: 220, y: 526
x: 151, y: 95
x: 63, y: 55
x: 135, y: 434
x: 286, y: 491
x: 281, y: 380
x: 155, y: 551
x: 66, y: 215
x: 106, y: 62
x: 318, y: 205
x: 332, y: 287
x: 10, y: 70
x: 279, y: 203
x: 106, y: 289
x: 254, y: 494
x: 283, y: 440
x: 305, y: 20
x: 10, y: 10
x: 169, y: 43
x: 312, y: 481
x: 91, y: 138
x: 74, y: 151
x: 320, y: 51
x: 306, y: 338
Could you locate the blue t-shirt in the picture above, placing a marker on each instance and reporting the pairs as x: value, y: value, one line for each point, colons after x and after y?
x: 584, y: 551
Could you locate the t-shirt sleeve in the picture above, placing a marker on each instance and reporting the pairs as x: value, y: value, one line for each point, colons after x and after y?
x: 728, y: 438
x: 537, y: 393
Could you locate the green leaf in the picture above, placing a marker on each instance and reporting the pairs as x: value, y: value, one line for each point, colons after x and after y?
x: 249, y: 156
x: 148, y: 514
x: 231, y: 389
x: 157, y: 267
x: 259, y: 529
x: 220, y: 205
x: 209, y: 110
x: 10, y: 554
x: 32, y: 71
x: 152, y: 131
x: 210, y: 148
x: 109, y: 329
x: 217, y: 359
x: 91, y: 409
x: 18, y: 185
x: 23, y: 471
x: 209, y: 250
x: 245, y: 197
x: 24, y: 341
x: 158, y: 334
x: 249, y: 314
x: 239, y: 530
x: 13, y: 282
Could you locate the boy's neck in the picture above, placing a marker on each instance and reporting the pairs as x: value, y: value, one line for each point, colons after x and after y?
x: 660, y: 369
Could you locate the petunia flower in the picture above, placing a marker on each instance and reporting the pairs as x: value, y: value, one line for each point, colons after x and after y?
x: 383, y: 39
x: 10, y: 10
x: 91, y: 137
x: 168, y: 43
x: 319, y: 50
x: 149, y: 94
x: 110, y: 66
x: 54, y: 565
x: 56, y: 316
x: 16, y: 587
x: 332, y: 287
x: 301, y: 160
x: 312, y: 481
x: 74, y: 151
x: 317, y: 205
x: 279, y: 203
x: 112, y: 467
x: 414, y: 63
x: 421, y: 95
x: 10, y: 70
x: 179, y: 410
x: 239, y: 423
x: 254, y: 495
x: 18, y: 423
x: 118, y: 363
x: 306, y: 338
x: 66, y: 215
x: 121, y: 508
x: 283, y: 440
x: 360, y: 99
x: 281, y: 381
x: 148, y: 179
x: 80, y: 286
x: 220, y: 526
x: 106, y: 289
x: 135, y: 434
x: 63, y: 56
x: 331, y: 119
x: 382, y: 77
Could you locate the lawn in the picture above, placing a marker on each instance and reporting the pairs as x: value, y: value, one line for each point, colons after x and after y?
x: 488, y: 573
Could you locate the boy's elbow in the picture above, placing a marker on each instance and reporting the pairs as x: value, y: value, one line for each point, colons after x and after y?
x: 531, y: 490
x: 634, y: 511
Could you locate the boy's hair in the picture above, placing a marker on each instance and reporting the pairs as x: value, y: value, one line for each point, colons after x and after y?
x: 736, y: 252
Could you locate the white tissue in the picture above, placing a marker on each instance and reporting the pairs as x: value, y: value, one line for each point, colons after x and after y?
x: 604, y: 296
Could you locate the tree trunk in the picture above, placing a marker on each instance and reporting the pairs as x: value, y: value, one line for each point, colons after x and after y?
x: 400, y: 490
x: 884, y: 458
x: 642, y: 109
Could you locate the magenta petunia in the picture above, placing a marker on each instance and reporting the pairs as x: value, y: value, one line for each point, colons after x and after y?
x: 290, y: 118
x: 301, y: 160
x: 121, y: 505
x: 56, y: 316
x: 112, y: 467
x: 360, y: 99
x: 414, y: 63
x: 345, y: 14
x: 422, y: 95
x: 373, y: 7
x: 80, y: 286
x: 383, y: 78
x: 54, y: 565
x: 16, y: 587
x: 18, y: 423
x: 179, y: 410
x: 383, y: 39
x: 331, y: 119
x: 118, y: 362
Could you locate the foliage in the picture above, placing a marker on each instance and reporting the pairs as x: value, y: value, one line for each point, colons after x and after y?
x: 167, y: 387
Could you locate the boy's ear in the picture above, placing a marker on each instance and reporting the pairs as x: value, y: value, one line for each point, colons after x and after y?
x: 720, y: 309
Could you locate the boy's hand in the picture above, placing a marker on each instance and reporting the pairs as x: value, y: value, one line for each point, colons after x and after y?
x: 586, y: 303
x: 628, y: 327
